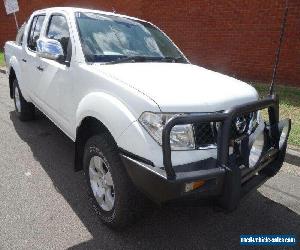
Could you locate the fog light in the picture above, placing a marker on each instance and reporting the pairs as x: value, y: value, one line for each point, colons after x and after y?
x: 256, y: 150
x: 194, y: 185
x: 283, y: 136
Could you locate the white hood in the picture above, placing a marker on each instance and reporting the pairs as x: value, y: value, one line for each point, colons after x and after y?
x: 179, y: 87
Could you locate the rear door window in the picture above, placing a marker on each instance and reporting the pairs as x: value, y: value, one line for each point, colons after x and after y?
x: 20, y: 35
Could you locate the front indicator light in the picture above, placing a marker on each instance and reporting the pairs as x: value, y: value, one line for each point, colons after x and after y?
x: 194, y: 185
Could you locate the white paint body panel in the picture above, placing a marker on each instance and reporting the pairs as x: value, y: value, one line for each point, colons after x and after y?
x: 118, y: 94
x: 183, y: 87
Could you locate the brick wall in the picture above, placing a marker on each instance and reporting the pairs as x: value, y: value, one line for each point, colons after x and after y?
x: 7, y: 23
x: 236, y: 37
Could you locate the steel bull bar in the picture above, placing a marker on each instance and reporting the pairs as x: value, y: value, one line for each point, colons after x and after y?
x: 232, y: 179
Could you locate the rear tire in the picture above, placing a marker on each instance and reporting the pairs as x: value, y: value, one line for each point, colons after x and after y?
x: 24, y: 110
x: 127, y: 200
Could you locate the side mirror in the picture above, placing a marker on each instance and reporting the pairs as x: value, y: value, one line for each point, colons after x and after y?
x: 50, y: 49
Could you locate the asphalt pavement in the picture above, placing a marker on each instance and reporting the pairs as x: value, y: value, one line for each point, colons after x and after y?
x: 43, y: 202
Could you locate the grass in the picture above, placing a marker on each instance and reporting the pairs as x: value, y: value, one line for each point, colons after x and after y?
x: 2, y: 63
x: 289, y: 107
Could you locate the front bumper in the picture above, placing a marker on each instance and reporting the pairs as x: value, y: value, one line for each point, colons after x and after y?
x: 227, y: 177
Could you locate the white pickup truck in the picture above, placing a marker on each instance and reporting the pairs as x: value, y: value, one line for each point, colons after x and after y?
x: 143, y: 118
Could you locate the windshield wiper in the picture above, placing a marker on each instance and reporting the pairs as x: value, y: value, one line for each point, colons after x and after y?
x: 173, y: 59
x: 133, y: 59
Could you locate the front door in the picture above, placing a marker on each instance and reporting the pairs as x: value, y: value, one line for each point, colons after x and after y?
x: 55, y: 89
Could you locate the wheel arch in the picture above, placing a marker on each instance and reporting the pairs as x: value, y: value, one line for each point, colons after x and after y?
x: 88, y: 127
x: 11, y: 78
x: 14, y: 72
x: 109, y: 113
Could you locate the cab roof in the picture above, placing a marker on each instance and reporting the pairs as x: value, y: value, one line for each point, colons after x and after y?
x: 72, y: 10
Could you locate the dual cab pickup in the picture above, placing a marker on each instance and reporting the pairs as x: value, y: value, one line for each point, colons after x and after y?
x: 145, y: 121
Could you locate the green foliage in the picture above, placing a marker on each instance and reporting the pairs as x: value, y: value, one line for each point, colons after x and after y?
x: 289, y: 107
x: 2, y: 63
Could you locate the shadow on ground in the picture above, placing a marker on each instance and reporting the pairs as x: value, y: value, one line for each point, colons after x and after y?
x: 293, y: 159
x: 173, y: 227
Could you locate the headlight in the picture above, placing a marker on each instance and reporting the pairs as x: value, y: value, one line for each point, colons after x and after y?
x: 181, y: 137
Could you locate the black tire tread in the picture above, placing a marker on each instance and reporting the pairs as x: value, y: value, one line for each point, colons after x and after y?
x: 129, y: 201
x: 27, y: 109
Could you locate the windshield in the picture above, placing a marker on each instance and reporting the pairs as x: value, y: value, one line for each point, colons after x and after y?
x: 107, y: 38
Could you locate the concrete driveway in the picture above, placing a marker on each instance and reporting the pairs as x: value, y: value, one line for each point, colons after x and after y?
x: 43, y: 203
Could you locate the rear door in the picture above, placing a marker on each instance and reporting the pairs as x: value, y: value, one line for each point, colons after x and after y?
x: 30, y: 61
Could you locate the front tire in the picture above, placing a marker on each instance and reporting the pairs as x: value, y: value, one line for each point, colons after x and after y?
x: 24, y: 110
x: 113, y: 196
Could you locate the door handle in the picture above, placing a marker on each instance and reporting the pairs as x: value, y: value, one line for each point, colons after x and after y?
x: 40, y: 68
x: 24, y: 60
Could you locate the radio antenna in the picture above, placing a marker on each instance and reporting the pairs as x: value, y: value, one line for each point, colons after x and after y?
x: 277, y: 57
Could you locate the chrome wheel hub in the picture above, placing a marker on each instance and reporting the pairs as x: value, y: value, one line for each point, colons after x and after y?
x: 17, y: 99
x: 101, y: 183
